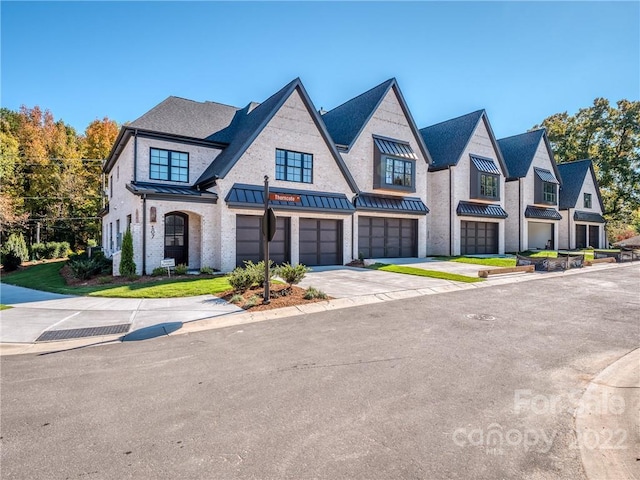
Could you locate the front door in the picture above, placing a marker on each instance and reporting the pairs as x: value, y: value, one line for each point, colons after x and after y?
x: 594, y: 236
x: 176, y: 239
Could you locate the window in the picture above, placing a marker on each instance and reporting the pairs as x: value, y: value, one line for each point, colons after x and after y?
x: 587, y: 200
x: 488, y: 186
x: 549, y: 192
x: 111, y: 237
x: 398, y: 172
x: 169, y: 165
x: 111, y: 186
x: 128, y: 222
x: 294, y: 166
x: 118, y: 236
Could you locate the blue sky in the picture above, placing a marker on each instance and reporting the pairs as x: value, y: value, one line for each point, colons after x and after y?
x: 521, y: 61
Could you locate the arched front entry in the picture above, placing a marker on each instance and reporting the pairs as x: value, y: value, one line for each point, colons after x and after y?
x: 176, y: 237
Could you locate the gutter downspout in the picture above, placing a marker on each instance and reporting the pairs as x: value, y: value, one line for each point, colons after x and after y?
x: 135, y: 156
x: 450, y: 212
x: 520, y: 214
x: 144, y: 234
x: 353, y: 227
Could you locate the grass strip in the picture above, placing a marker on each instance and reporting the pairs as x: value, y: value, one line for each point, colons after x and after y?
x: 47, y: 277
x: 489, y: 261
x: 424, y: 273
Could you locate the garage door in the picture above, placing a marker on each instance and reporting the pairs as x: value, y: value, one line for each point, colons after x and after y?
x: 479, y: 238
x: 320, y: 241
x: 249, y: 243
x: 581, y: 236
x: 594, y: 236
x: 380, y: 237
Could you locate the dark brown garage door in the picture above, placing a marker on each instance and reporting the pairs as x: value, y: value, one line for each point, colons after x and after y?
x: 380, y: 237
x: 320, y: 242
x: 594, y: 236
x: 479, y: 238
x: 581, y: 236
x: 249, y: 243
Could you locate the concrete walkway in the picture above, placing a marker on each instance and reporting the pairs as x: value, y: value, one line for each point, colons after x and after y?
x: 37, y: 312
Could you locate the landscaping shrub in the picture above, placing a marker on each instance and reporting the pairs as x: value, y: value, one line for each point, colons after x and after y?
x: 50, y: 249
x: 257, y: 270
x: 38, y: 251
x: 127, y: 265
x: 82, y: 267
x: 159, y: 271
x: 181, y: 269
x: 63, y: 249
x: 105, y: 280
x: 237, y: 298
x: 10, y: 261
x: 16, y: 245
x: 252, y: 301
x: 312, y: 293
x: 241, y: 279
x: 291, y: 274
x: 207, y: 270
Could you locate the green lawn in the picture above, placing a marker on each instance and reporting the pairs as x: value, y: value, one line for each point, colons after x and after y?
x: 47, y: 277
x: 424, y: 273
x: 489, y: 261
x: 588, y: 254
x: 5, y: 307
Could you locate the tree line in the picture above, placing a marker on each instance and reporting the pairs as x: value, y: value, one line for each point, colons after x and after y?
x: 51, y: 175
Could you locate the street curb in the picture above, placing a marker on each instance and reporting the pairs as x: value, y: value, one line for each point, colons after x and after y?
x: 235, y: 319
x: 608, y: 422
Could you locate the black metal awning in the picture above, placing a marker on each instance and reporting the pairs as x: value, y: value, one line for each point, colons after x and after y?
x: 172, y: 192
x: 485, y: 165
x: 369, y: 201
x: 394, y: 148
x: 542, y: 213
x: 545, y: 175
x: 252, y: 196
x: 588, y: 217
x: 470, y: 209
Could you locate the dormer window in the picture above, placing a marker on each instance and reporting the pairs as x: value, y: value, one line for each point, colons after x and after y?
x: 546, y: 187
x: 484, y: 178
x: 394, y: 165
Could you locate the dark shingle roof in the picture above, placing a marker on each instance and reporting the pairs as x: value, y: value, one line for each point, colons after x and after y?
x: 252, y: 196
x: 370, y: 201
x: 573, y: 175
x: 179, y: 116
x: 480, y: 210
x: 247, y: 125
x: 345, y: 122
x: 447, y: 140
x: 518, y: 152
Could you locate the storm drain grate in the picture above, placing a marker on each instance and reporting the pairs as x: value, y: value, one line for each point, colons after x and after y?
x: 53, y: 335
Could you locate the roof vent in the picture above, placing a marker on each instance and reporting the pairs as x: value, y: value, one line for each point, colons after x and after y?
x: 322, y: 111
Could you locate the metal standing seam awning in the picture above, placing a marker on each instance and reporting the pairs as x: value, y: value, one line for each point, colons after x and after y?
x: 392, y: 204
x: 485, y: 165
x: 252, y: 196
x: 395, y: 148
x: 542, y: 213
x: 545, y: 175
x: 588, y: 217
x: 470, y: 209
x: 172, y: 192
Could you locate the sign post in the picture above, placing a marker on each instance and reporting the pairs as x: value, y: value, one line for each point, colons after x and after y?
x: 265, y: 232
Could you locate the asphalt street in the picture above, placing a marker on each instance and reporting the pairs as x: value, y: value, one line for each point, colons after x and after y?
x: 480, y: 383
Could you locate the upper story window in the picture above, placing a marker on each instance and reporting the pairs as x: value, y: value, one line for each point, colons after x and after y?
x: 549, y: 192
x: 587, y: 200
x: 398, y: 173
x: 485, y: 179
x: 294, y: 166
x: 169, y: 165
x: 394, y: 165
x: 546, y: 187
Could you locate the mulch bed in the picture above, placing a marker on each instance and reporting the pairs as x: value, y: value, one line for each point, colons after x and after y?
x: 278, y: 299
x: 65, y: 272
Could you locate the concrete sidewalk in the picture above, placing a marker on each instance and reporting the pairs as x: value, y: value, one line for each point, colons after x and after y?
x: 37, y: 312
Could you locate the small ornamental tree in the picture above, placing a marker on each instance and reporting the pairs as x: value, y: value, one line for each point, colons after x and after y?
x: 127, y: 265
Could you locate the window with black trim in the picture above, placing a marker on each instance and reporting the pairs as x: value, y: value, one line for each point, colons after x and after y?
x: 489, y: 186
x: 587, y: 200
x: 294, y: 166
x: 549, y: 192
x: 398, y: 172
x: 169, y: 165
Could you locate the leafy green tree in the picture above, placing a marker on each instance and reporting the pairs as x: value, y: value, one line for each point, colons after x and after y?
x: 17, y: 246
x: 127, y: 265
x: 610, y: 136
